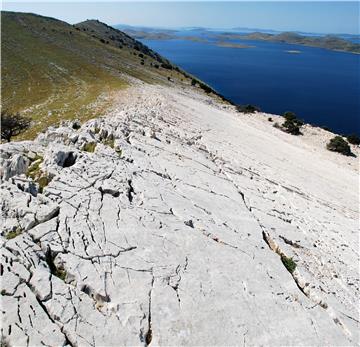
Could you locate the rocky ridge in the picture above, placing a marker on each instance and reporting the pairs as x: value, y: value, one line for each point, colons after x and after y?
x: 169, y: 222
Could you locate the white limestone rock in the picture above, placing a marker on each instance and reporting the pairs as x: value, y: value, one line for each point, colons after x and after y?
x: 178, y: 240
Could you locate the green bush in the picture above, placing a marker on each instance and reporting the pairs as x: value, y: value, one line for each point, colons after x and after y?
x: 353, y: 139
x: 292, y: 124
x: 338, y: 144
x: 193, y: 82
x: 288, y: 263
x: 291, y: 117
x: 291, y: 127
x: 247, y: 108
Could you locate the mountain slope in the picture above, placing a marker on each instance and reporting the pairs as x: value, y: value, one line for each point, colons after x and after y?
x: 51, y: 71
x: 172, y: 222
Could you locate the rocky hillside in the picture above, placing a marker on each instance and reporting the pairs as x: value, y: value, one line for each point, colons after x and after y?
x: 177, y: 221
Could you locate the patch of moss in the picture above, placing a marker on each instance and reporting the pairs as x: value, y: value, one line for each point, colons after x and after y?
x: 89, y: 147
x: 109, y: 142
x: 12, y: 234
x: 34, y: 169
x: 288, y: 263
x: 35, y: 173
x: 60, y: 273
x: 43, y: 181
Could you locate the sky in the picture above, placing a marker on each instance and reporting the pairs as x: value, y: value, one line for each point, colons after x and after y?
x: 307, y: 16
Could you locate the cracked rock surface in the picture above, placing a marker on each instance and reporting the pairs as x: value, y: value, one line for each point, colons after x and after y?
x: 165, y: 223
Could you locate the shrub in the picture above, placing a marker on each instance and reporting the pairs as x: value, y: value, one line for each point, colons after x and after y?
x: 292, y: 124
x: 193, y: 82
x: 291, y: 127
x: 12, y: 125
x: 205, y: 88
x: 270, y: 119
x: 353, y: 139
x: 247, y: 108
x: 288, y: 263
x: 166, y: 66
x: 76, y: 125
x: 89, y: 147
x: 291, y: 116
x: 338, y: 144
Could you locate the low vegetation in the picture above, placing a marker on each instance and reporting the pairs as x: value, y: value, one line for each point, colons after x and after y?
x: 37, y: 175
x: 13, y: 125
x: 247, y: 108
x: 292, y: 124
x: 353, y: 139
x: 54, y: 71
x: 109, y: 141
x: 12, y: 234
x: 288, y: 263
x: 338, y: 144
x: 89, y: 147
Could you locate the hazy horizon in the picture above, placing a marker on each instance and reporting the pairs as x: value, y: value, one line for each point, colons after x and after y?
x: 308, y: 17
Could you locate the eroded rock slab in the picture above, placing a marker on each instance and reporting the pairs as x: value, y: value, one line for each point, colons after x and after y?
x: 165, y: 223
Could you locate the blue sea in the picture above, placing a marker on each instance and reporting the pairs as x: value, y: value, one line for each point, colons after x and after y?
x: 321, y: 86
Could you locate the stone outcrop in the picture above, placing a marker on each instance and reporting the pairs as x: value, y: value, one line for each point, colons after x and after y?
x: 173, y: 221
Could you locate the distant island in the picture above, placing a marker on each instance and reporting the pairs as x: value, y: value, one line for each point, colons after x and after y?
x: 331, y: 42
x: 232, y: 45
x: 224, y: 39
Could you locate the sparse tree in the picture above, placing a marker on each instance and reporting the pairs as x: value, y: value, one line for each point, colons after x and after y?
x: 12, y: 125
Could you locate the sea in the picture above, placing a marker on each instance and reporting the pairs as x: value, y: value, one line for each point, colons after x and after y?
x: 321, y: 86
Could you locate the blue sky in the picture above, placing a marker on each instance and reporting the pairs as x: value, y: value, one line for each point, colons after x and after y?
x: 308, y: 16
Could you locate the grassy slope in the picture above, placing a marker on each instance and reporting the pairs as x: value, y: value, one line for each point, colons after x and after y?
x: 51, y: 71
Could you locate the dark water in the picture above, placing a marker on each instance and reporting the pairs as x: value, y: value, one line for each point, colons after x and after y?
x: 320, y: 86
